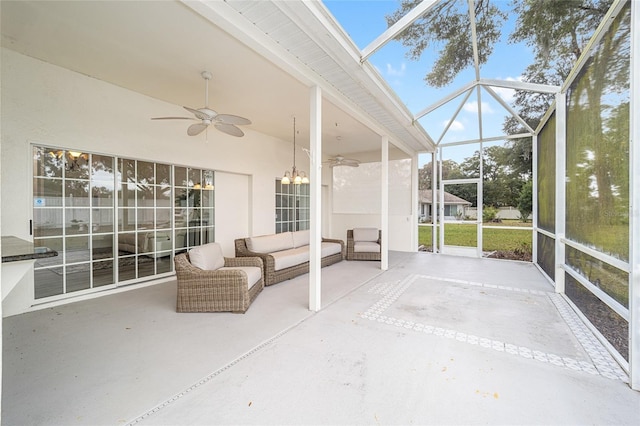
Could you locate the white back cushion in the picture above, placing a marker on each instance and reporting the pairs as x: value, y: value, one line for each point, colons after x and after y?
x: 301, y: 238
x: 365, y: 234
x: 208, y: 257
x: 270, y: 243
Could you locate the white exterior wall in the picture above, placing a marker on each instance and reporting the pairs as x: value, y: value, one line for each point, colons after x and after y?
x: 49, y: 105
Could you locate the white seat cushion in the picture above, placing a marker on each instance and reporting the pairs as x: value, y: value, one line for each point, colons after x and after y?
x: 292, y: 257
x: 254, y: 273
x: 327, y: 249
x: 208, y: 257
x: 270, y: 243
x: 366, y: 247
x: 301, y: 238
x: 365, y: 234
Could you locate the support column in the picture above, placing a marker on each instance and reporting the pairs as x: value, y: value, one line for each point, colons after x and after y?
x: 315, y: 175
x: 384, y: 207
x: 561, y: 191
x: 534, y: 191
x: 634, y: 202
x: 435, y: 166
x: 415, y: 165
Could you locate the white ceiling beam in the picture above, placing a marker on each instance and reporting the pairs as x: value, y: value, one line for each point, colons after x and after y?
x: 444, y: 100
x: 397, y: 28
x: 491, y: 139
x: 520, y: 85
x: 474, y: 40
x: 455, y: 115
x: 508, y: 108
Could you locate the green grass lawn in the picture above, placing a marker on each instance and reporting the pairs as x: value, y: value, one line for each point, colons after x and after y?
x: 493, y: 239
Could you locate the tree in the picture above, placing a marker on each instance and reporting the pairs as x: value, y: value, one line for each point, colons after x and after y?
x: 450, y: 170
x: 525, y: 204
x: 557, y: 30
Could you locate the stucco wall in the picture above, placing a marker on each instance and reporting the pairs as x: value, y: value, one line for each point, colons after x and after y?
x: 46, y: 104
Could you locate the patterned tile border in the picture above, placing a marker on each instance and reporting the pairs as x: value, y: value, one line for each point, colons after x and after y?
x: 602, y: 362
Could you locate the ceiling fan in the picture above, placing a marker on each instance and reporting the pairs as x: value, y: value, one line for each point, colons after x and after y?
x: 339, y: 160
x: 226, y: 123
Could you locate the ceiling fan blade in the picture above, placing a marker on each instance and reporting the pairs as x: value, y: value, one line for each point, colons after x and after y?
x: 232, y: 119
x: 229, y: 129
x: 196, y: 129
x: 172, y: 118
x: 202, y: 114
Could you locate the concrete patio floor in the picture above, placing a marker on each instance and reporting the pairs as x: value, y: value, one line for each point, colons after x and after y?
x: 436, y: 339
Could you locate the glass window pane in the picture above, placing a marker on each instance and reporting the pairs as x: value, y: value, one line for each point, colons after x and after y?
x: 163, y: 218
x: 78, y: 277
x: 102, y: 220
x: 101, y: 193
x: 47, y: 192
x: 164, y: 262
x: 53, y: 244
x: 195, y: 198
x: 208, y: 198
x: 163, y: 196
x: 102, y: 246
x: 209, y: 234
x: 127, y: 170
x: 195, y: 177
x: 207, y: 217
x: 126, y: 268
x: 77, y: 249
x: 181, y: 239
x: 126, y: 219
x: 77, y: 221
x: 181, y: 195
x: 127, y: 243
x: 181, y: 176
x: 102, y: 167
x: 145, y: 195
x: 146, y: 266
x: 47, y: 162
x: 146, y: 219
x: 146, y: 173
x: 47, y: 222
x: 103, y: 273
x: 48, y: 282
x: 162, y: 242
x: 76, y: 165
x: 76, y: 193
x: 145, y: 242
x: 163, y: 174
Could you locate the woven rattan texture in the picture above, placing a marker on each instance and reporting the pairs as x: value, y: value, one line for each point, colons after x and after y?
x: 352, y: 255
x: 215, y: 291
x: 271, y: 276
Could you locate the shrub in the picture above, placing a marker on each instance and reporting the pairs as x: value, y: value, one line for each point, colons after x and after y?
x: 489, y: 213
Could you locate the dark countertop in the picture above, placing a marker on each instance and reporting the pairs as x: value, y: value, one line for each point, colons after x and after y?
x: 15, y: 249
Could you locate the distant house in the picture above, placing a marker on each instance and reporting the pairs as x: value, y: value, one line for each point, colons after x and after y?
x: 454, y: 207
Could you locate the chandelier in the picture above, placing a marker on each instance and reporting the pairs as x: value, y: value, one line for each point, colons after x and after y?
x: 296, y: 176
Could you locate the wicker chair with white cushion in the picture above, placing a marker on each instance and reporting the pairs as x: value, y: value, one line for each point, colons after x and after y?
x: 210, y: 282
x: 364, y: 244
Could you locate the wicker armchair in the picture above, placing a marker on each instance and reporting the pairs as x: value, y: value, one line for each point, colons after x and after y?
x: 223, y: 290
x: 362, y: 255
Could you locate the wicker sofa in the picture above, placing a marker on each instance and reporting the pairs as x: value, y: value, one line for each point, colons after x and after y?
x: 364, y: 244
x: 286, y: 255
x: 218, y: 284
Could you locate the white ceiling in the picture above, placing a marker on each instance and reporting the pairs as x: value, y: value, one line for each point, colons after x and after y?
x: 159, y: 48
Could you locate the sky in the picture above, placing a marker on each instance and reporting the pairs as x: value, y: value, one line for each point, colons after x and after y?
x: 364, y: 20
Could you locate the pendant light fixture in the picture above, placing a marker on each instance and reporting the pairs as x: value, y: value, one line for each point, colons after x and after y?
x: 295, y: 176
